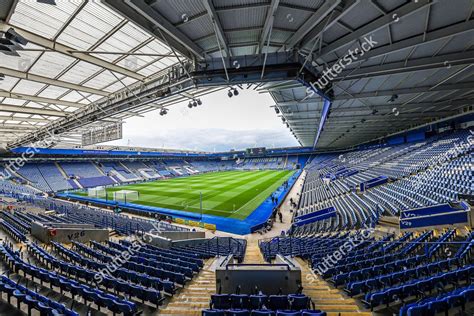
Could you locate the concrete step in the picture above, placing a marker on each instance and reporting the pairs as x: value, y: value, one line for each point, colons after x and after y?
x: 194, y: 297
x: 327, y: 298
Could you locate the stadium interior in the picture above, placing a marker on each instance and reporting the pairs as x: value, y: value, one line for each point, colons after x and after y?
x: 370, y: 215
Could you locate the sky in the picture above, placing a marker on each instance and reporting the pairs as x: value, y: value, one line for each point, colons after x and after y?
x: 219, y: 124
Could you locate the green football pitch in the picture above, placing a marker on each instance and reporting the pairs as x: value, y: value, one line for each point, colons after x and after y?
x: 234, y: 194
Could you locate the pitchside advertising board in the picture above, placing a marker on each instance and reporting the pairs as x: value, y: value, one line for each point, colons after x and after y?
x: 458, y: 214
x: 194, y: 223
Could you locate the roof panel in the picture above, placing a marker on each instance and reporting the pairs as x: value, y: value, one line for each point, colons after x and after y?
x: 101, y: 80
x: 127, y: 38
x: 51, y: 64
x: 72, y: 96
x: 7, y: 83
x: 81, y: 71
x: 28, y: 87
x: 23, y: 62
x: 177, y: 11
x: 443, y: 14
x: 14, y: 101
x: 120, y: 85
x: 43, y: 19
x: 52, y: 92
x: 92, y: 22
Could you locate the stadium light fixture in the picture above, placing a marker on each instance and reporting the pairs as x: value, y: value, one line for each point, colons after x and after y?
x: 236, y: 92
x: 199, y: 102
x: 393, y: 98
x: 283, y: 119
x: 277, y: 110
x: 195, y: 104
x: 11, y: 42
x: 230, y: 94
x: 15, y: 37
x: 51, y: 2
x: 190, y: 105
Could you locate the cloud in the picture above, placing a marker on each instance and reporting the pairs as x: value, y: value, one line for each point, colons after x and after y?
x: 211, y: 139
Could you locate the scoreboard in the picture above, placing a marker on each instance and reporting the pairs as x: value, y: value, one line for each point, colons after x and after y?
x: 258, y: 151
x: 102, y: 134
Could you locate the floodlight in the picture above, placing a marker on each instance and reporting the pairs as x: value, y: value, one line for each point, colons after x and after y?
x: 15, y: 37
x: 393, y: 98
x: 230, y: 94
x: 283, y: 119
x: 8, y: 50
x: 190, y: 105
x: 51, y: 2
x: 199, y: 102
x: 195, y: 104
x: 236, y: 92
x: 277, y: 110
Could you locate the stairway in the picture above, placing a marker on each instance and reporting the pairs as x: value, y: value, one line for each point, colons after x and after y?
x: 327, y: 298
x: 252, y: 253
x: 195, y: 296
x: 61, y: 170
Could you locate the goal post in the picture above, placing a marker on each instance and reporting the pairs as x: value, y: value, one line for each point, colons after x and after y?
x: 126, y: 196
x: 97, y: 192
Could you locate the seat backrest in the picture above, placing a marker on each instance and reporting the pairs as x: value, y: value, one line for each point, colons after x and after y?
x: 220, y: 301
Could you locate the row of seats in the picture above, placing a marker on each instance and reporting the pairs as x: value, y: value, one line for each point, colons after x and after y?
x: 427, y: 173
x: 237, y: 312
x: 260, y: 304
x: 441, y: 303
x: 419, y: 286
x: 120, y: 274
x: 119, y: 284
x: 32, y: 299
x: 13, y: 232
x: 89, y: 294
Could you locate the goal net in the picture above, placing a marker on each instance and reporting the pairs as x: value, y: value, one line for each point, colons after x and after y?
x: 98, y: 192
x: 126, y: 196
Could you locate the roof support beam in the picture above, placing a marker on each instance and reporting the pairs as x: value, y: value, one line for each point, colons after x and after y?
x: 466, y: 86
x: 456, y: 59
x: 314, y: 20
x: 424, y: 38
x: 211, y: 11
x: 403, y: 11
x: 328, y: 22
x: 268, y: 23
x: 16, y: 128
x: 23, y: 119
x: 29, y: 110
x: 22, y: 75
x: 44, y: 42
x: 162, y: 23
x: 33, y: 98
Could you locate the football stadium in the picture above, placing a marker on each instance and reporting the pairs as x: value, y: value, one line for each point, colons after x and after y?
x: 237, y: 157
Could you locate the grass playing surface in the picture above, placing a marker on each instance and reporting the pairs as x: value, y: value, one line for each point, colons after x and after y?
x: 232, y: 194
